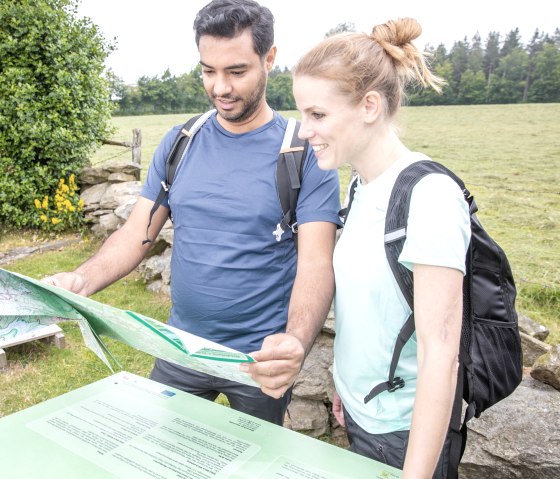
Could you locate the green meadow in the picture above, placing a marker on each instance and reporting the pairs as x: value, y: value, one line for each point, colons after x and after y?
x: 508, y: 156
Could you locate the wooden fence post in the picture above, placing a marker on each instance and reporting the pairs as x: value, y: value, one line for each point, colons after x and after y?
x: 136, y: 146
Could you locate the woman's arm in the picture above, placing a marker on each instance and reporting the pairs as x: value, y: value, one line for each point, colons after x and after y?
x: 438, y: 310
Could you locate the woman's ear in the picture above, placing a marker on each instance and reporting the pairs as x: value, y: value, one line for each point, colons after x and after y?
x: 372, y: 106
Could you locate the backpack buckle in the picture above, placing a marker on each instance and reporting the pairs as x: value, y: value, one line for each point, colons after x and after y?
x: 397, y: 383
x: 294, y: 228
x: 278, y: 232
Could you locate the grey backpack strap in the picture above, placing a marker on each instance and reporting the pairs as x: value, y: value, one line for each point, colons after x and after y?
x: 176, y: 154
x: 289, y: 173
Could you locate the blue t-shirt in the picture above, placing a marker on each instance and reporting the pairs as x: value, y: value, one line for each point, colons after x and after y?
x: 231, y: 280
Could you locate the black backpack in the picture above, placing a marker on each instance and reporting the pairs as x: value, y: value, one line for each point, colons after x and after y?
x: 289, y: 170
x: 491, y: 364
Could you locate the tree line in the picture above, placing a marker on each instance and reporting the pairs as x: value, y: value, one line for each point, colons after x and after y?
x: 493, y: 71
x: 185, y: 93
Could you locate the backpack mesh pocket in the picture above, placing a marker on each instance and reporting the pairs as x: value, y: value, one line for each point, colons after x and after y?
x: 496, y: 366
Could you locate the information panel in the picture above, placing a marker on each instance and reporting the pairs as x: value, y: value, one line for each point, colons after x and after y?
x: 129, y: 427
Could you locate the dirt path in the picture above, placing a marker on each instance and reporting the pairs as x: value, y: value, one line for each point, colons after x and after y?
x: 24, y: 251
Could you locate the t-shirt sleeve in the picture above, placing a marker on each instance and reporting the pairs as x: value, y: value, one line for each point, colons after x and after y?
x: 438, y: 228
x: 156, y: 170
x: 319, y: 197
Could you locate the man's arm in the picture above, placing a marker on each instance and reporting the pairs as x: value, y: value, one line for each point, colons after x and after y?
x: 281, y: 356
x: 118, y: 255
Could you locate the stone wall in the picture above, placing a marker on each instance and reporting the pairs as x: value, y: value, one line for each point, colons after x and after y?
x: 518, y: 437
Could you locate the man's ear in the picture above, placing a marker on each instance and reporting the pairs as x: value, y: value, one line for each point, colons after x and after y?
x: 269, y: 58
x: 372, y: 106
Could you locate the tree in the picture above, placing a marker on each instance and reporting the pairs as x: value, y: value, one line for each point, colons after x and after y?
x: 535, y: 46
x: 192, y: 88
x: 546, y: 86
x: 55, y: 105
x: 472, y: 88
x: 459, y: 56
x: 512, y: 42
x: 491, y: 54
x: 116, y: 85
x: 279, y: 92
x: 341, y: 28
x: 476, y: 55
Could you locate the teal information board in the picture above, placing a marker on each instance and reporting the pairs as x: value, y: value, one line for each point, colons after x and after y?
x: 129, y: 427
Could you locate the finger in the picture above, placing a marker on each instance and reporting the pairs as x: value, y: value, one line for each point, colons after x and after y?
x: 271, y: 368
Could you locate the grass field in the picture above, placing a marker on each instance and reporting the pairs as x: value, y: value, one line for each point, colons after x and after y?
x: 508, y: 155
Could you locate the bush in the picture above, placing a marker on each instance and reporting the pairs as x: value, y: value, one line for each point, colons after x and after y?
x: 54, y: 104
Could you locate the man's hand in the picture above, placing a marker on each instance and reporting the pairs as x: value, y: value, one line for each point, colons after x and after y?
x: 73, y: 282
x: 278, y: 364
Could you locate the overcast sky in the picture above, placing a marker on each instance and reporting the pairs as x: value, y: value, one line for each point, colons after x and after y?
x: 152, y: 36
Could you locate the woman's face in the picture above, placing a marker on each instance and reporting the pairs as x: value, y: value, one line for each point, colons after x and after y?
x: 329, y: 120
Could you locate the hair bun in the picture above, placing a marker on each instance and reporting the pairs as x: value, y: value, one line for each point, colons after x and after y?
x: 397, y: 33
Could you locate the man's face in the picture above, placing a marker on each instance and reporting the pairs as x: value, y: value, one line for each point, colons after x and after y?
x: 234, y: 76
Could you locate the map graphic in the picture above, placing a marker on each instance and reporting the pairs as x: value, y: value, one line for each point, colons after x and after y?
x: 27, y: 304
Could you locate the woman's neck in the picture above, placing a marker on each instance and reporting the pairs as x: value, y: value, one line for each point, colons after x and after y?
x: 382, y: 152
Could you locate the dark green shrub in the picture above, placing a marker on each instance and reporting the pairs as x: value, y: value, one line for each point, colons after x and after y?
x: 54, y: 104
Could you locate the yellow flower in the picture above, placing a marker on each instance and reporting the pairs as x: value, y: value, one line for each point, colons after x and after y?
x: 43, y: 218
x: 80, y: 204
x: 45, y: 203
x: 37, y: 204
x: 55, y: 221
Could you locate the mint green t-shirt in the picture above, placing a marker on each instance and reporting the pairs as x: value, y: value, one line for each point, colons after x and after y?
x: 369, y: 307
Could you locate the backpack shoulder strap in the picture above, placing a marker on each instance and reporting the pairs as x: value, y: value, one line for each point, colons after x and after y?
x: 176, y: 153
x: 397, y: 216
x: 343, y: 213
x: 289, y: 174
x: 395, y: 235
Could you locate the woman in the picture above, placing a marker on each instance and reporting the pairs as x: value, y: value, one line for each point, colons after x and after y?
x: 349, y: 89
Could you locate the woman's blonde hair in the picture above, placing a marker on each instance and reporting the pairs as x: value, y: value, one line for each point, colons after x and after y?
x: 384, y: 61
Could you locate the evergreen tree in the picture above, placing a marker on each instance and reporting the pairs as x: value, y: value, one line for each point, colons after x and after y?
x: 341, y: 28
x: 459, y: 58
x: 511, y: 42
x: 535, y: 45
x: 476, y: 55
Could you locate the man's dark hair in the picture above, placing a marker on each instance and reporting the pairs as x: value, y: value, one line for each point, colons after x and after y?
x: 229, y: 18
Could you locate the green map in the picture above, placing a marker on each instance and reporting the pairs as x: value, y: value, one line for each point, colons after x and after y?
x: 27, y: 304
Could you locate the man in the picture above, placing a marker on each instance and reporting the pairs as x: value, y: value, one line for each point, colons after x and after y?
x: 231, y: 281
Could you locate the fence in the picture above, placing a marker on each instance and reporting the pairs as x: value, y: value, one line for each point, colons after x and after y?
x: 136, y: 145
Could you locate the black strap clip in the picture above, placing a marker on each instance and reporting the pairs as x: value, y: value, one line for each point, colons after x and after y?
x: 397, y: 383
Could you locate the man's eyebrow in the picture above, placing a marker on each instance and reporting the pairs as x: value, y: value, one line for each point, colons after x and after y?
x: 238, y: 66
